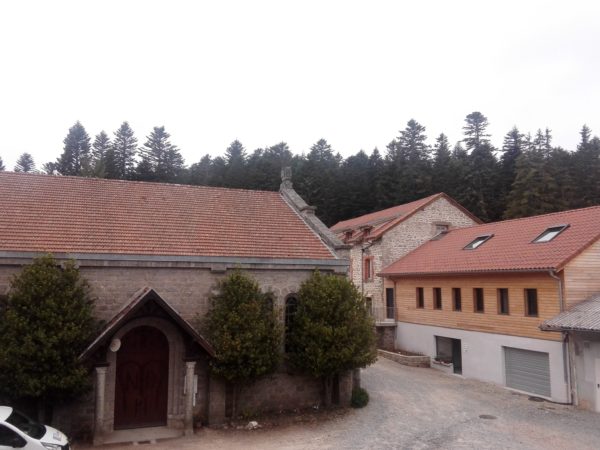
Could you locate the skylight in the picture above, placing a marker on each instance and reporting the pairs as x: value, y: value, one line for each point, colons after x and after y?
x: 550, y: 233
x: 475, y: 243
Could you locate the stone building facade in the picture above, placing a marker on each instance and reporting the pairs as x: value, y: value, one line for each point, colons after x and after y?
x: 378, y: 239
x: 153, y: 254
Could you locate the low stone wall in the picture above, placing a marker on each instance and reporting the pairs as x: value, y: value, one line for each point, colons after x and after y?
x: 386, y: 337
x: 413, y: 361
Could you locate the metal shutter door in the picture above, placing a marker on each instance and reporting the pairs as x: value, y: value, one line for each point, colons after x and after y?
x: 527, y: 371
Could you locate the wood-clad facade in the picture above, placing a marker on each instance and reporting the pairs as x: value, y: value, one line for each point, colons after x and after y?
x: 581, y: 275
x: 491, y: 320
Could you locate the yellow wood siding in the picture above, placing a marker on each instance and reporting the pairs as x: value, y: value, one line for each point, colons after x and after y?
x: 515, y: 323
x: 582, y: 275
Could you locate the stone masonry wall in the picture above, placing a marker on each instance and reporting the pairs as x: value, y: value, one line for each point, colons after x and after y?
x: 402, y: 239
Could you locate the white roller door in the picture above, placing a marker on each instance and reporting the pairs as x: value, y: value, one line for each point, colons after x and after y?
x: 527, y: 371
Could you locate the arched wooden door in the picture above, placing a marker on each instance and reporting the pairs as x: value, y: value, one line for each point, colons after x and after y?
x: 141, y: 390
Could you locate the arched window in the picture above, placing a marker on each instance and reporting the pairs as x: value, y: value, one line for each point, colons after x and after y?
x: 291, y: 306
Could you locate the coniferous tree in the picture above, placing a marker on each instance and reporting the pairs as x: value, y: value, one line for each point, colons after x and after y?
x: 235, y: 172
x: 442, y: 174
x: 100, y: 148
x: 1, y: 165
x: 200, y: 173
x: 25, y: 163
x: 586, y: 167
x: 75, y: 159
x: 512, y: 148
x: 318, y: 182
x: 161, y: 160
x: 475, y: 131
x: 120, y: 162
x: 358, y: 194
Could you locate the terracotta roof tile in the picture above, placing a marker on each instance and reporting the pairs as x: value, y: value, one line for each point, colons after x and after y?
x: 90, y: 215
x: 510, y: 249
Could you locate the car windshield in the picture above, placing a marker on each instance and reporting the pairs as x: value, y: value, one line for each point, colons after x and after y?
x: 26, y: 425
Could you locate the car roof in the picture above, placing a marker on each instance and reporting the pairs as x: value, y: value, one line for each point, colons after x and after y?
x: 5, y: 411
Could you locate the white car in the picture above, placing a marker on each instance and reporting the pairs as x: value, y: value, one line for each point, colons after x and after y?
x: 19, y: 431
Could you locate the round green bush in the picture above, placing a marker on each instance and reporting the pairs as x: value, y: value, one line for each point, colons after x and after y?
x: 360, y: 398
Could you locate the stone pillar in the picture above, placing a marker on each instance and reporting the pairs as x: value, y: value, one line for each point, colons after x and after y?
x: 188, y: 420
x: 100, y: 399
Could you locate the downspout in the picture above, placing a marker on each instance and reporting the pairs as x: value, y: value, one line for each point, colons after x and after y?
x: 566, y: 343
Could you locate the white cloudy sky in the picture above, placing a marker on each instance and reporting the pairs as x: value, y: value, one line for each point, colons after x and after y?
x: 266, y: 71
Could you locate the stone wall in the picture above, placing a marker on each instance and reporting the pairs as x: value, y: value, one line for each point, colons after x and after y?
x: 386, y: 337
x: 413, y: 361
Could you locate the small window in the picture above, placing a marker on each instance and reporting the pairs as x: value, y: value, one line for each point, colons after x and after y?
x: 368, y: 268
x: 441, y: 228
x: 437, y: 298
x: 475, y: 243
x: 348, y: 235
x: 420, y: 298
x: 550, y: 233
x: 456, y: 299
x: 503, y: 301
x: 531, y: 302
x: 478, y: 303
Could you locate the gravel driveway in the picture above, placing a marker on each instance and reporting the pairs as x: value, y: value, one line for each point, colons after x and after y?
x: 421, y: 409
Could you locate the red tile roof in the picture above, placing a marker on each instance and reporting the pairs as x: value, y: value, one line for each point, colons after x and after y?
x: 510, y: 249
x: 383, y: 220
x: 88, y: 215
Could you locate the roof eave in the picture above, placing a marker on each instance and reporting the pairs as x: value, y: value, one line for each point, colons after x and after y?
x: 464, y: 272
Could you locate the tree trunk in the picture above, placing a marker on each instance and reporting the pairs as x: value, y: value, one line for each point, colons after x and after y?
x: 327, y: 381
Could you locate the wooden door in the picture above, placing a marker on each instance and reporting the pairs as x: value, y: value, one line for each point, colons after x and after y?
x: 141, y: 389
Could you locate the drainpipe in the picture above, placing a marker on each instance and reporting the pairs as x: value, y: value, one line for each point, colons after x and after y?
x: 566, y: 343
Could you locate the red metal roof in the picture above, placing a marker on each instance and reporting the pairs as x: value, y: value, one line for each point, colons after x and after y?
x: 383, y: 220
x: 509, y: 249
x: 43, y: 213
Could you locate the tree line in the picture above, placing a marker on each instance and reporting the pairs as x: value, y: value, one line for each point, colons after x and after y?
x: 526, y: 175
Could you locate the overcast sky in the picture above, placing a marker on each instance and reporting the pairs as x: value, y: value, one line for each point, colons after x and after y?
x: 351, y: 72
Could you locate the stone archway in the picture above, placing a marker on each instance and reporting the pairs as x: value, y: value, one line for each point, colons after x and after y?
x: 141, y: 382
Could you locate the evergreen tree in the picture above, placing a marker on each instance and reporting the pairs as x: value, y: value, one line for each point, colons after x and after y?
x: 318, y: 180
x: 1, y: 165
x: 442, y: 179
x: 25, y: 163
x: 100, y: 149
x: 161, y: 160
x: 243, y: 328
x: 201, y: 172
x: 511, y: 150
x: 44, y: 325
x: 120, y: 162
x: 586, y: 167
x: 264, y: 167
x: 332, y: 332
x: 75, y: 159
x: 359, y: 190
x: 235, y: 172
x: 475, y: 131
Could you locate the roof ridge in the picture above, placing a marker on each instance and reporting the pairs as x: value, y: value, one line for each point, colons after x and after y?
x: 393, y: 216
x: 114, y: 180
x: 523, y: 218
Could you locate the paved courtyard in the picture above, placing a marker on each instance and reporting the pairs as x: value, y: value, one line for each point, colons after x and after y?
x: 421, y: 409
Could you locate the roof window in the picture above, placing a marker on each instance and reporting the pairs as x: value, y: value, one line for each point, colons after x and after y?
x: 475, y: 243
x: 550, y: 233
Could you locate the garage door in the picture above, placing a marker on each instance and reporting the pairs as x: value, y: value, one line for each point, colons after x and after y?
x: 527, y: 370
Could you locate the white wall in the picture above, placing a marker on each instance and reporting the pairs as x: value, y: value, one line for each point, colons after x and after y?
x: 482, y: 353
x: 586, y: 349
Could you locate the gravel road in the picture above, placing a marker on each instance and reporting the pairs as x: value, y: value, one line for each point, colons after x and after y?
x: 417, y: 408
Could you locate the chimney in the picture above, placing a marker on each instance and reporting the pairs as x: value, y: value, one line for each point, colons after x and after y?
x: 286, y: 178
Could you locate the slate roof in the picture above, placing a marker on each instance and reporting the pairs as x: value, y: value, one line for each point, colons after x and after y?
x: 509, y: 249
x: 383, y: 220
x: 584, y: 316
x: 42, y: 213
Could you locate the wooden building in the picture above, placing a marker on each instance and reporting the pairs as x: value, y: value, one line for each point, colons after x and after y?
x: 474, y: 298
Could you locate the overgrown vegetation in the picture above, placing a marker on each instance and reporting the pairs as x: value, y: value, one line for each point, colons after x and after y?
x: 332, y: 332
x: 243, y: 328
x: 45, y: 323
